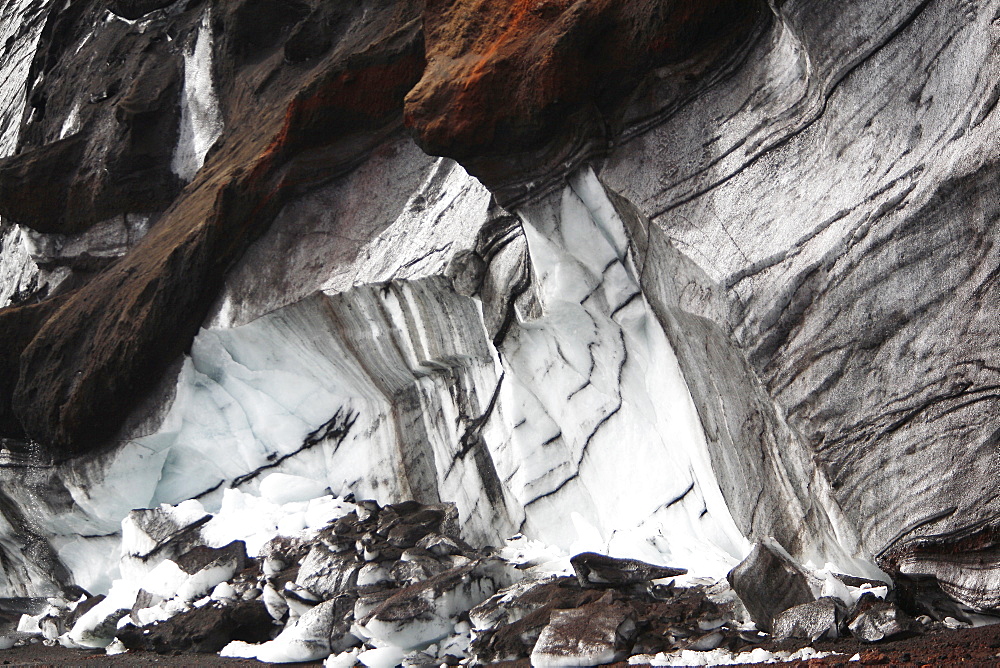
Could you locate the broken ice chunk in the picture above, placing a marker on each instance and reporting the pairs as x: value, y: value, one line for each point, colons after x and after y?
x: 424, y: 613
x: 282, y: 488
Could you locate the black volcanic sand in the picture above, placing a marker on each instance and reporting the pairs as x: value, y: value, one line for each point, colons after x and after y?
x: 40, y: 655
x: 973, y: 647
x: 970, y: 647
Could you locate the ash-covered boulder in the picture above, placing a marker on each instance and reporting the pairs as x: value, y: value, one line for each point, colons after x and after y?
x: 874, y: 620
x: 327, y: 574
x: 208, y: 628
x: 598, y: 570
x: 509, y: 623
x: 203, y: 567
x: 812, y: 621
x: 591, y: 635
x: 314, y: 635
x: 769, y: 582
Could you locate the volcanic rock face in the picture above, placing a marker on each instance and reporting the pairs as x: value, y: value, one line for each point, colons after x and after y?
x: 520, y: 91
x: 703, y: 273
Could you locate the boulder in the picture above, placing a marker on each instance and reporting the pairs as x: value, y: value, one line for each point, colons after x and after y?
x: 598, y: 570
x: 874, y: 620
x: 769, y: 582
x: 812, y: 621
x: 202, y: 629
x: 327, y: 574
x: 591, y: 635
x: 427, y: 611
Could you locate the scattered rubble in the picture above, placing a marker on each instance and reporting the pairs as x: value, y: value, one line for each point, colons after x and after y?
x: 357, y: 582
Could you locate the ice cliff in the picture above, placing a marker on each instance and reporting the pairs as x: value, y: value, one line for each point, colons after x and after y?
x: 657, y: 279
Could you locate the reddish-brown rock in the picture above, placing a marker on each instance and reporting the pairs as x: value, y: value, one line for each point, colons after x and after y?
x: 549, y: 78
x: 108, y: 343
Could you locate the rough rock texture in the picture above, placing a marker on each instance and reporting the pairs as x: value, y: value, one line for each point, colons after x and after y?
x: 737, y: 254
x: 769, y: 583
x: 814, y: 620
x: 250, y: 173
x: 590, y: 635
x: 860, y: 265
x: 597, y: 570
x: 874, y: 620
x: 205, y: 629
x: 519, y: 92
x: 958, y: 563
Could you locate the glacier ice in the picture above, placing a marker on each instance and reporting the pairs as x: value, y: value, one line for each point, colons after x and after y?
x: 406, y: 389
x: 372, y: 359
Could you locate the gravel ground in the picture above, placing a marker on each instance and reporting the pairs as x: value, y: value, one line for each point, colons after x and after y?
x: 40, y: 655
x: 971, y: 647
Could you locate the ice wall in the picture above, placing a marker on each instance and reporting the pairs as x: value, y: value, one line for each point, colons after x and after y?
x: 571, y: 422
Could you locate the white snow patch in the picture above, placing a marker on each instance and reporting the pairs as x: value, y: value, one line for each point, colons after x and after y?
x: 343, y: 660
x: 382, y: 657
x: 282, y: 488
x: 722, y: 657
x: 72, y: 122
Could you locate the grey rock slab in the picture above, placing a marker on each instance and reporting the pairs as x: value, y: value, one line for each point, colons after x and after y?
x: 326, y: 573
x: 873, y: 621
x: 594, y: 634
x: 598, y: 570
x: 769, y: 582
x: 814, y: 620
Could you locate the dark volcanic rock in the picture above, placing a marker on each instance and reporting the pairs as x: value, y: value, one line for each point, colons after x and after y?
x: 509, y: 624
x: 598, y: 570
x: 205, y: 629
x: 78, y: 162
x: 523, y: 92
x: 769, y: 583
x: 812, y: 621
x: 133, y: 9
x: 874, y: 620
x: 121, y: 331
